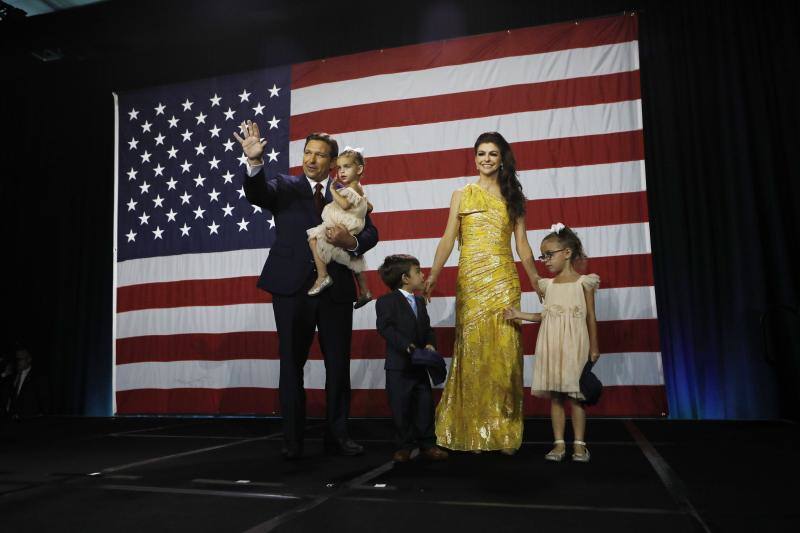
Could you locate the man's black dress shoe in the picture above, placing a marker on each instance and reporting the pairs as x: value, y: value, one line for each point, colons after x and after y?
x: 346, y: 446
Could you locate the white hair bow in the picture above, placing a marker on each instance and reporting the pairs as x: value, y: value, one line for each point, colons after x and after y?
x: 360, y: 149
x: 557, y: 227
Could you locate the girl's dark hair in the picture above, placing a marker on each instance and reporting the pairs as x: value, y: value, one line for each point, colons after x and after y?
x: 393, y: 268
x: 567, y: 238
x: 510, y: 187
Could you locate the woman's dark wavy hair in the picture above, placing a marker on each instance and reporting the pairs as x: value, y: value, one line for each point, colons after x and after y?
x: 510, y: 187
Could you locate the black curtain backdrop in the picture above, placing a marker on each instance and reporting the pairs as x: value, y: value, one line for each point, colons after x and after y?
x: 720, y: 115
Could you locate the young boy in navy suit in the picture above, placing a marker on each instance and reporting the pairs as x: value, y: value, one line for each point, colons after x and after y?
x: 403, y: 322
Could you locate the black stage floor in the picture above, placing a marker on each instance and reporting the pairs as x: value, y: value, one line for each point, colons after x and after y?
x: 226, y: 475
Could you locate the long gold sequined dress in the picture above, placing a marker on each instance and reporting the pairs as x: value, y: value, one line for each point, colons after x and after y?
x: 481, y: 406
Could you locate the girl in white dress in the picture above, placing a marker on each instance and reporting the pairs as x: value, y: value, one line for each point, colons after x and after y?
x: 349, y: 208
x: 567, y: 337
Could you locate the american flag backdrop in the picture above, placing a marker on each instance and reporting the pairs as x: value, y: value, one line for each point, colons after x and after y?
x: 192, y: 332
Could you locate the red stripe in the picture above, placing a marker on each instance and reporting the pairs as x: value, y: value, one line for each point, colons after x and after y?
x: 524, y: 41
x: 614, y: 337
x: 485, y: 102
x: 578, y: 212
x: 530, y: 155
x: 629, y: 400
x: 617, y: 336
x: 587, y: 211
x: 615, y: 271
x: 189, y: 293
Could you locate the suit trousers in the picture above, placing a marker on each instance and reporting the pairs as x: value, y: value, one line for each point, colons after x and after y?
x: 411, y: 402
x: 296, y: 317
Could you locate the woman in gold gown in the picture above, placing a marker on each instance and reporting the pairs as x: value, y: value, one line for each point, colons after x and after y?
x: 481, y: 406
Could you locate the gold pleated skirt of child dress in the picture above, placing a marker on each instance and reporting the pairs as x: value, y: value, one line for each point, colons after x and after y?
x: 481, y: 405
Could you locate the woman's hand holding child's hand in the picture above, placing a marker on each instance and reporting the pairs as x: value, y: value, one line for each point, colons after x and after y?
x: 430, y: 283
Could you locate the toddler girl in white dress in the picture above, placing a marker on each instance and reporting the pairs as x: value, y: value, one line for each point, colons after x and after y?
x: 349, y: 209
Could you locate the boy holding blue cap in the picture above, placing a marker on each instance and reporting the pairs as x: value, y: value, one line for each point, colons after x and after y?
x: 402, y: 320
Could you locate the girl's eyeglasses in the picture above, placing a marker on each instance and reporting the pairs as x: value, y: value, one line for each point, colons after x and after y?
x: 549, y: 255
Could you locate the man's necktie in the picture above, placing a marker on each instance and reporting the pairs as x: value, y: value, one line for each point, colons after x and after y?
x: 319, y: 200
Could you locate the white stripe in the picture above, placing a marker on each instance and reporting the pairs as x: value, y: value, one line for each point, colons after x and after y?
x: 199, y: 374
x: 612, y: 369
x: 527, y: 126
x: 549, y: 183
x: 643, y: 175
x: 480, y: 75
x: 212, y: 265
x: 209, y: 319
x: 599, y: 241
x: 627, y: 303
x: 639, y: 116
x: 639, y: 369
x: 631, y: 368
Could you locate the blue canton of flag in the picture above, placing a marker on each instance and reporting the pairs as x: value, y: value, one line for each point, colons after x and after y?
x: 180, y: 169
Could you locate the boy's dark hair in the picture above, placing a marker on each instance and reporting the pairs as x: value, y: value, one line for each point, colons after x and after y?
x: 393, y: 268
x: 333, y: 146
x: 567, y: 238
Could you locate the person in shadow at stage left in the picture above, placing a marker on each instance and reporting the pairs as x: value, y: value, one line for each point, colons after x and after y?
x: 8, y: 369
x: 29, y: 392
x: 297, y: 203
x: 402, y: 320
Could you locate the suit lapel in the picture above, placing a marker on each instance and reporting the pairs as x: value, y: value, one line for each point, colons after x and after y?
x: 417, y: 319
x: 304, y: 188
x: 402, y: 302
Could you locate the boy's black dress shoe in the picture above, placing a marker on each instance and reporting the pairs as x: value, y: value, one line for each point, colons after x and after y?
x: 345, y: 446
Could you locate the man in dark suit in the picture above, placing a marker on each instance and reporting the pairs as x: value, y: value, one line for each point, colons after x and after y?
x: 8, y: 370
x: 402, y: 320
x: 29, y: 394
x: 297, y: 202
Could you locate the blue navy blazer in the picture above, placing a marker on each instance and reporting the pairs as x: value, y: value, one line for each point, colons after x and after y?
x: 397, y: 324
